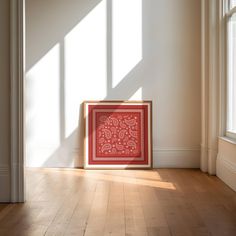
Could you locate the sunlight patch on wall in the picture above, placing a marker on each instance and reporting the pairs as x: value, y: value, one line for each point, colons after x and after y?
x: 42, y: 105
x: 85, y: 64
x: 138, y: 95
x: 126, y: 37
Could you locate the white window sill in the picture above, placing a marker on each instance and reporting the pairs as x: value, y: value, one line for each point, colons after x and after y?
x: 229, y: 140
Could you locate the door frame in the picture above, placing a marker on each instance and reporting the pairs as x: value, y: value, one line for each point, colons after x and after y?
x: 17, y: 74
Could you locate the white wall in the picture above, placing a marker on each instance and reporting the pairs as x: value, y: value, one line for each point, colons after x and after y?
x: 4, y: 101
x: 151, y: 50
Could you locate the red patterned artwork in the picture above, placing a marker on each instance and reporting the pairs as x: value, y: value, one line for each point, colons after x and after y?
x: 118, y: 134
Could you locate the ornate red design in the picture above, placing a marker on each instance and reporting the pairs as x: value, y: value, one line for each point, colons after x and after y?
x: 118, y: 134
x: 111, y: 130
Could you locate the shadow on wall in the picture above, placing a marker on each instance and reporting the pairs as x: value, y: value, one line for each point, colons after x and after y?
x: 94, y: 50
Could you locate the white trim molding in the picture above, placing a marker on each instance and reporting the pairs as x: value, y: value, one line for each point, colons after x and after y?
x: 204, y: 84
x: 4, y: 171
x: 226, y: 171
x: 4, y: 183
x: 231, y: 166
x: 218, y: 155
x: 176, y: 158
x: 17, y: 101
x: 226, y: 161
x: 211, y: 71
x: 62, y: 157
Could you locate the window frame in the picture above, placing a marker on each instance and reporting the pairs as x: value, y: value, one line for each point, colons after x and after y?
x: 229, y: 13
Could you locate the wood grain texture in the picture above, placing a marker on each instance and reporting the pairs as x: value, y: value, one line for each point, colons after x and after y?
x: 164, y: 202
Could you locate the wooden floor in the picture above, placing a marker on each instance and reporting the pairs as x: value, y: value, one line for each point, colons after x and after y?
x: 93, y: 203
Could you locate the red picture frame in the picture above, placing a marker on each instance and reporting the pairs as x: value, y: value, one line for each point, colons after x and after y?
x: 118, y: 134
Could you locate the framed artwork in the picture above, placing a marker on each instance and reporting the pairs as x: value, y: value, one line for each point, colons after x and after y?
x: 118, y: 134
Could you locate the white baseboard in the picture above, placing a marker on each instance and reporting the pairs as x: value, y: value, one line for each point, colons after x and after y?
x: 170, y: 158
x: 176, y: 158
x: 4, y: 184
x: 226, y: 171
x: 50, y: 158
x: 4, y: 171
x: 162, y: 158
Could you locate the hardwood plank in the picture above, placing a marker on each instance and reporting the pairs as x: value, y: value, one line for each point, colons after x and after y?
x: 134, y: 218
x: 115, y: 224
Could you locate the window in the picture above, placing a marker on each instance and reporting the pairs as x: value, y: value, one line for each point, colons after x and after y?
x: 232, y: 3
x: 231, y: 69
